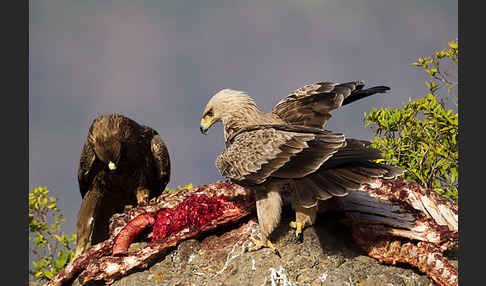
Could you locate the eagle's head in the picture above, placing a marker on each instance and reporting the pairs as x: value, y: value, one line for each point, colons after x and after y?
x: 108, y: 152
x: 106, y: 134
x: 225, y: 106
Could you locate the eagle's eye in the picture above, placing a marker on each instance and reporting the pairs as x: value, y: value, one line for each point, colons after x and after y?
x: 209, y: 113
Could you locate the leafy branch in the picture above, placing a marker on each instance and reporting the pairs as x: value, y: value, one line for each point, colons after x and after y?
x: 53, y: 249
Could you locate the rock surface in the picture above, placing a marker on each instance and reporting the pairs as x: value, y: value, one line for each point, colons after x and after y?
x: 327, y: 256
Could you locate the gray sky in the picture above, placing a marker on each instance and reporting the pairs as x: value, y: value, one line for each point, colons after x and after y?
x: 158, y: 62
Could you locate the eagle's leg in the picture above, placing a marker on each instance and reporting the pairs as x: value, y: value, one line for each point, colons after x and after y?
x: 305, y: 214
x: 142, y: 194
x: 269, y: 208
x: 303, y: 217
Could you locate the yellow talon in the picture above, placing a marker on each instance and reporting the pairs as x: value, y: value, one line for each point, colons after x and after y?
x: 142, y: 196
x: 298, y: 226
x: 271, y: 246
x: 260, y: 244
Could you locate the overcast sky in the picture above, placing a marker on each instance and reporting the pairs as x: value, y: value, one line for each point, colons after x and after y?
x: 159, y: 62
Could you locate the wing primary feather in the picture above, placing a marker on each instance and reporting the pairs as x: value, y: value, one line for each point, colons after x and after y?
x: 319, y: 192
x: 364, y: 93
x: 162, y: 161
x: 328, y: 185
x: 310, y: 105
x: 340, y: 178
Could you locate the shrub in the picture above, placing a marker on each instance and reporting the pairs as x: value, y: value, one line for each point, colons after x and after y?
x: 421, y: 136
x: 52, y: 248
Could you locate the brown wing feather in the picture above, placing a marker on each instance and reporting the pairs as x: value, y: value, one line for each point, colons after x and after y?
x: 327, y: 186
x: 319, y: 149
x: 258, y: 154
x: 308, y: 192
x: 162, y: 161
x: 355, y: 150
x: 254, y: 155
x: 310, y: 105
x: 87, y: 168
x: 349, y: 168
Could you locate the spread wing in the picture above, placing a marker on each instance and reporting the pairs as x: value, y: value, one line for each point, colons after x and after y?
x: 87, y: 168
x: 278, y: 152
x: 310, y: 105
x: 161, y: 159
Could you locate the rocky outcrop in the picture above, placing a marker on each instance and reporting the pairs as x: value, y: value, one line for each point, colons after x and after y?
x: 327, y: 256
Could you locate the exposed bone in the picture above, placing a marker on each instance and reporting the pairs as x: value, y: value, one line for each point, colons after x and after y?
x: 423, y: 255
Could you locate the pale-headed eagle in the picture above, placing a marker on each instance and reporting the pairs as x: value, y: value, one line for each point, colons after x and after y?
x: 122, y: 163
x: 290, y: 146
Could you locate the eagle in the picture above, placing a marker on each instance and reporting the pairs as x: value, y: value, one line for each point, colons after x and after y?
x: 289, y: 146
x: 122, y: 163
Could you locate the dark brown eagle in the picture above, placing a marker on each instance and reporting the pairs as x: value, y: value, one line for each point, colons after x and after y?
x: 122, y: 163
x: 290, y: 146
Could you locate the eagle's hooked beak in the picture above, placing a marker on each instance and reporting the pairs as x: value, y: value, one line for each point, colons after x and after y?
x: 205, y: 125
x: 111, y: 166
